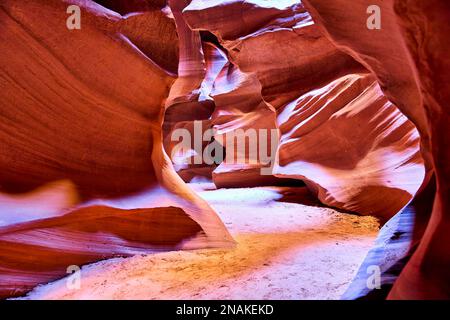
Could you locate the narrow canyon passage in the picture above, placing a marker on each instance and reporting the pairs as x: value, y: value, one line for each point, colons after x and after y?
x: 286, y: 250
x: 224, y: 149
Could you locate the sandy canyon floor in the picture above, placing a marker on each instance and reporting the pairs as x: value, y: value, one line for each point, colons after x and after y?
x: 289, y: 247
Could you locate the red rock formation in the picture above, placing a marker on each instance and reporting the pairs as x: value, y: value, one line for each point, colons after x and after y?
x: 377, y: 161
x: 212, y: 90
x: 242, y: 114
x: 189, y: 99
x: 255, y: 81
x: 375, y: 168
x: 392, y: 250
x: 87, y: 107
x: 426, y: 29
x: 409, y: 57
x: 301, y: 60
x: 41, y: 251
x: 82, y: 131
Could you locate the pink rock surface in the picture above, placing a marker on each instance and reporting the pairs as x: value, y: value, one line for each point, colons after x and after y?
x: 352, y: 147
x: 276, y: 41
x: 88, y: 119
x: 87, y: 107
x: 325, y: 141
x: 413, y: 70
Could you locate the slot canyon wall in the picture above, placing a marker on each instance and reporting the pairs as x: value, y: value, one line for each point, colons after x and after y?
x: 83, y: 173
x: 88, y: 158
x: 414, y: 72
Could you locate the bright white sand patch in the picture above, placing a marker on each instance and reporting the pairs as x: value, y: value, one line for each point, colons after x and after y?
x: 285, y: 251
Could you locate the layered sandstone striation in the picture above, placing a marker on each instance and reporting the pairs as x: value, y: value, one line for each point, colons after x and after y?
x: 352, y: 146
x: 338, y: 132
x: 96, y: 123
x: 87, y: 106
x: 409, y: 57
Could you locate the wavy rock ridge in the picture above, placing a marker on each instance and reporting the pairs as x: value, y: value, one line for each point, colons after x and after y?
x: 88, y: 118
x: 67, y: 115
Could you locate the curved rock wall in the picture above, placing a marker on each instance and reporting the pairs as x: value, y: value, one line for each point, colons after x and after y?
x: 352, y: 147
x: 339, y: 132
x: 409, y: 57
x: 87, y: 123
x: 87, y: 106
